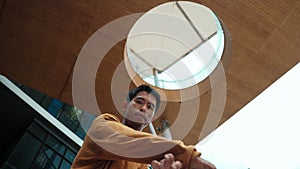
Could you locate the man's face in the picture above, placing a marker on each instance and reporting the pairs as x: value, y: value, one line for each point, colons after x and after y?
x: 140, y: 110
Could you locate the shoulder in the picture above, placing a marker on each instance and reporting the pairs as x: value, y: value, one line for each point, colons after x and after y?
x: 107, y: 117
x: 103, y: 121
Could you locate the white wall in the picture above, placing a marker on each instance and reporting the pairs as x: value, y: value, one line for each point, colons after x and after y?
x: 265, y: 134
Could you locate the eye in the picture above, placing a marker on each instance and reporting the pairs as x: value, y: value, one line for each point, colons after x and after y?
x: 151, y: 106
x: 139, y: 101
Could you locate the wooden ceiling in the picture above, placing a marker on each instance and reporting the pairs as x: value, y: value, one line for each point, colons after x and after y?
x: 40, y: 42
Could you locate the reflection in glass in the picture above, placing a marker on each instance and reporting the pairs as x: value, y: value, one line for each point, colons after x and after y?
x: 70, y: 155
x: 69, y: 118
x: 65, y: 113
x: 26, y: 150
x: 38, y: 131
x: 47, y: 159
x: 55, y: 144
x: 65, y: 165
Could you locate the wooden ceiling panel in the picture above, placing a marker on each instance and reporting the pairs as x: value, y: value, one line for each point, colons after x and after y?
x: 56, y: 15
x: 1, y: 4
x: 29, y: 54
x: 282, y: 49
x: 41, y: 40
x: 88, y: 7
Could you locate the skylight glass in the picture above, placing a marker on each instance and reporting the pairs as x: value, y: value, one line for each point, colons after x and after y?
x: 175, y: 45
x: 193, y: 68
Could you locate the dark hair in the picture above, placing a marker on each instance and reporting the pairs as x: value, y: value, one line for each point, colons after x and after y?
x: 132, y: 93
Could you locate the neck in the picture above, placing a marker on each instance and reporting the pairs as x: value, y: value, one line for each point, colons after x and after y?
x: 133, y: 125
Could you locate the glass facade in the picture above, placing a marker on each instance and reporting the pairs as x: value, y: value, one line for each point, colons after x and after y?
x: 65, y: 113
x: 40, y: 148
x: 39, y: 144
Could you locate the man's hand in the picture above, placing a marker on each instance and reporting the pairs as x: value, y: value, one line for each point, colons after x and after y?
x: 167, y: 163
x: 200, y: 163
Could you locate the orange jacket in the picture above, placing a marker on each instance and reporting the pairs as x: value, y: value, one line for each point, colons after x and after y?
x: 111, y: 145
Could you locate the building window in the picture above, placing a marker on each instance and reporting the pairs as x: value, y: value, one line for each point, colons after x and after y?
x: 37, y: 151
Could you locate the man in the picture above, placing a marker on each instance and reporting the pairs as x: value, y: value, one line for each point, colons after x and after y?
x: 110, y: 144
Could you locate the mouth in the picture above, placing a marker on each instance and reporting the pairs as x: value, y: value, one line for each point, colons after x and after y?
x: 140, y: 115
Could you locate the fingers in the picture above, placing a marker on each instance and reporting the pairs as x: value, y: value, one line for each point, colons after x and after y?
x: 177, y: 164
x: 171, y: 163
x: 169, y: 156
x: 155, y: 164
x: 167, y: 163
x: 168, y: 160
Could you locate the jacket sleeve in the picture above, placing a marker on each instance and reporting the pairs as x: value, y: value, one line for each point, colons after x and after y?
x: 120, y: 142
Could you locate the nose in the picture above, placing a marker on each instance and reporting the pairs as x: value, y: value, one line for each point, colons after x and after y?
x: 144, y: 108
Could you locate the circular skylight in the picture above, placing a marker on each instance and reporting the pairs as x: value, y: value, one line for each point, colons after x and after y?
x: 175, y: 45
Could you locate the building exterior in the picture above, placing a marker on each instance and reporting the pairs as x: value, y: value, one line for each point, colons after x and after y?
x: 39, y: 132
